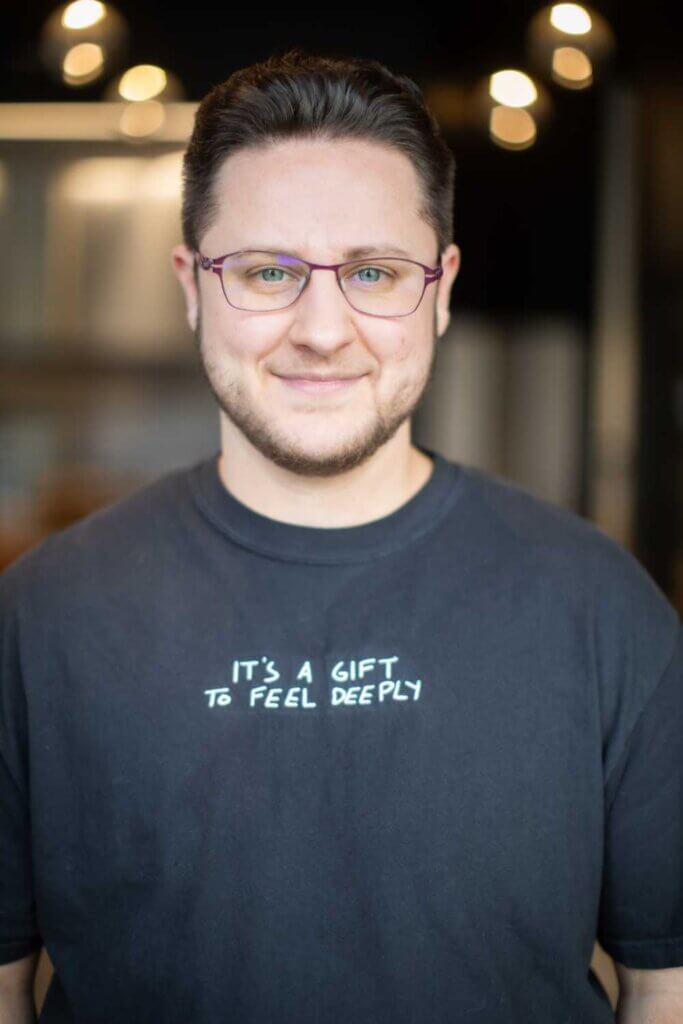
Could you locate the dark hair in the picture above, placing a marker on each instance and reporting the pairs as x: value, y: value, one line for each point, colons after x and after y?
x: 299, y: 95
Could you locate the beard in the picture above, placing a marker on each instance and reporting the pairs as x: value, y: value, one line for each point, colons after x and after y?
x: 349, y: 453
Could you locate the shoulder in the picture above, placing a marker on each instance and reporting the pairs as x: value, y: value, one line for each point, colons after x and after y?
x: 108, y: 545
x: 570, y: 559
x: 540, y: 526
x: 516, y: 519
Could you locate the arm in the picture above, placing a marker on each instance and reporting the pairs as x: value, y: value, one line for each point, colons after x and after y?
x: 649, y: 996
x: 17, y: 1004
x: 19, y: 1008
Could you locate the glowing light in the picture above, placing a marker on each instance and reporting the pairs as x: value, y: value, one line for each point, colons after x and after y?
x: 161, y: 179
x: 572, y: 67
x: 141, y: 119
x: 571, y: 18
x: 82, y: 63
x: 512, y: 88
x: 142, y: 82
x: 83, y: 14
x: 101, y: 180
x: 512, y: 127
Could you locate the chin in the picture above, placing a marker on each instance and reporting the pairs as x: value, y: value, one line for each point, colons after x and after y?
x: 321, y: 445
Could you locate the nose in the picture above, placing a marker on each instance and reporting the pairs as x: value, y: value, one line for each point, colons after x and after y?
x: 322, y: 316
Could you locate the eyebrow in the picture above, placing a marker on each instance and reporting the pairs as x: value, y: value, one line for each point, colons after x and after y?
x: 350, y: 254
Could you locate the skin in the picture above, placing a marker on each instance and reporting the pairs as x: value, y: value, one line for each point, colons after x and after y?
x: 335, y: 459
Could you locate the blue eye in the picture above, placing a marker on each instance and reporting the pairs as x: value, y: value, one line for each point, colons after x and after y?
x: 278, y: 270
x: 365, y: 269
x: 378, y: 271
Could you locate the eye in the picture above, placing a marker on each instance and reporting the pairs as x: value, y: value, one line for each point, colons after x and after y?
x: 378, y: 272
x: 268, y: 270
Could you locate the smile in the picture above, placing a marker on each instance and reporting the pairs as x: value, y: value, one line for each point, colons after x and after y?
x: 319, y: 386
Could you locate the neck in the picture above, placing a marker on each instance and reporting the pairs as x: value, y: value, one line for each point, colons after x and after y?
x: 370, y: 491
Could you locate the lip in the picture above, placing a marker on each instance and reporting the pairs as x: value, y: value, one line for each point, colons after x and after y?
x: 317, y: 385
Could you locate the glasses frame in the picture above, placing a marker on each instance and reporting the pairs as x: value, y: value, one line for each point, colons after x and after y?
x: 215, y: 265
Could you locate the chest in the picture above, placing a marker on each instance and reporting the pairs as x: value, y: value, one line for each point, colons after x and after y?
x: 456, y: 744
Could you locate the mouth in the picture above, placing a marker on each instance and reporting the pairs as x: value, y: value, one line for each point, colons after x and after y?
x: 318, y: 385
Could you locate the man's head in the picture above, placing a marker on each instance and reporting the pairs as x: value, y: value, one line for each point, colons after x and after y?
x: 312, y: 157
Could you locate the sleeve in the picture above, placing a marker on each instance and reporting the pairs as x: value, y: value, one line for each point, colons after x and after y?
x: 641, y: 906
x: 19, y: 934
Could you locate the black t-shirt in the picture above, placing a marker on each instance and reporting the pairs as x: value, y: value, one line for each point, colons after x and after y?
x: 404, y: 772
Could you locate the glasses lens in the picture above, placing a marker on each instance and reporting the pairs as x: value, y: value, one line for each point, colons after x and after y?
x: 260, y: 281
x: 385, y: 287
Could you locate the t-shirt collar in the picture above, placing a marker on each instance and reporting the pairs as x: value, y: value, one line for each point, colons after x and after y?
x: 292, y: 542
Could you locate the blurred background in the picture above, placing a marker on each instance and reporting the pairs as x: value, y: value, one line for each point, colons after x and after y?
x: 563, y: 366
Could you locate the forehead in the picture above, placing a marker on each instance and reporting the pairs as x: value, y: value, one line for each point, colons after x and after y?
x: 327, y: 194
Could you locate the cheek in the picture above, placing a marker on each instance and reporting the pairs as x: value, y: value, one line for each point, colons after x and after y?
x: 410, y: 350
x: 403, y: 360
x: 412, y: 338
x: 245, y: 338
x: 388, y: 342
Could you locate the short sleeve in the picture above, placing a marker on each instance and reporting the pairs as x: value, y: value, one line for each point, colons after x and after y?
x: 19, y: 934
x: 641, y: 907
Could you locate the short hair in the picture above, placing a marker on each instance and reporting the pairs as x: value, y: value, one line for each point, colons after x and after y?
x: 300, y: 95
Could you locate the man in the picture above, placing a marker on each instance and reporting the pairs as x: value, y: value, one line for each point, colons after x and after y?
x: 325, y: 727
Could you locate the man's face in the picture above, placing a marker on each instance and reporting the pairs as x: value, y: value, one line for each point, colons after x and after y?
x: 316, y: 199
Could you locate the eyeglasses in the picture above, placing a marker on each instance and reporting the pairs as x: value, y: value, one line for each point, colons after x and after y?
x: 260, y: 282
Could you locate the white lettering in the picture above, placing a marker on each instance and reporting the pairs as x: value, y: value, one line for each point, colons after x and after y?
x: 295, y: 697
x: 388, y: 689
x: 222, y: 698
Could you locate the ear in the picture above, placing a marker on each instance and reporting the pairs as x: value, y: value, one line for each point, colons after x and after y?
x: 184, y: 265
x: 450, y: 261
